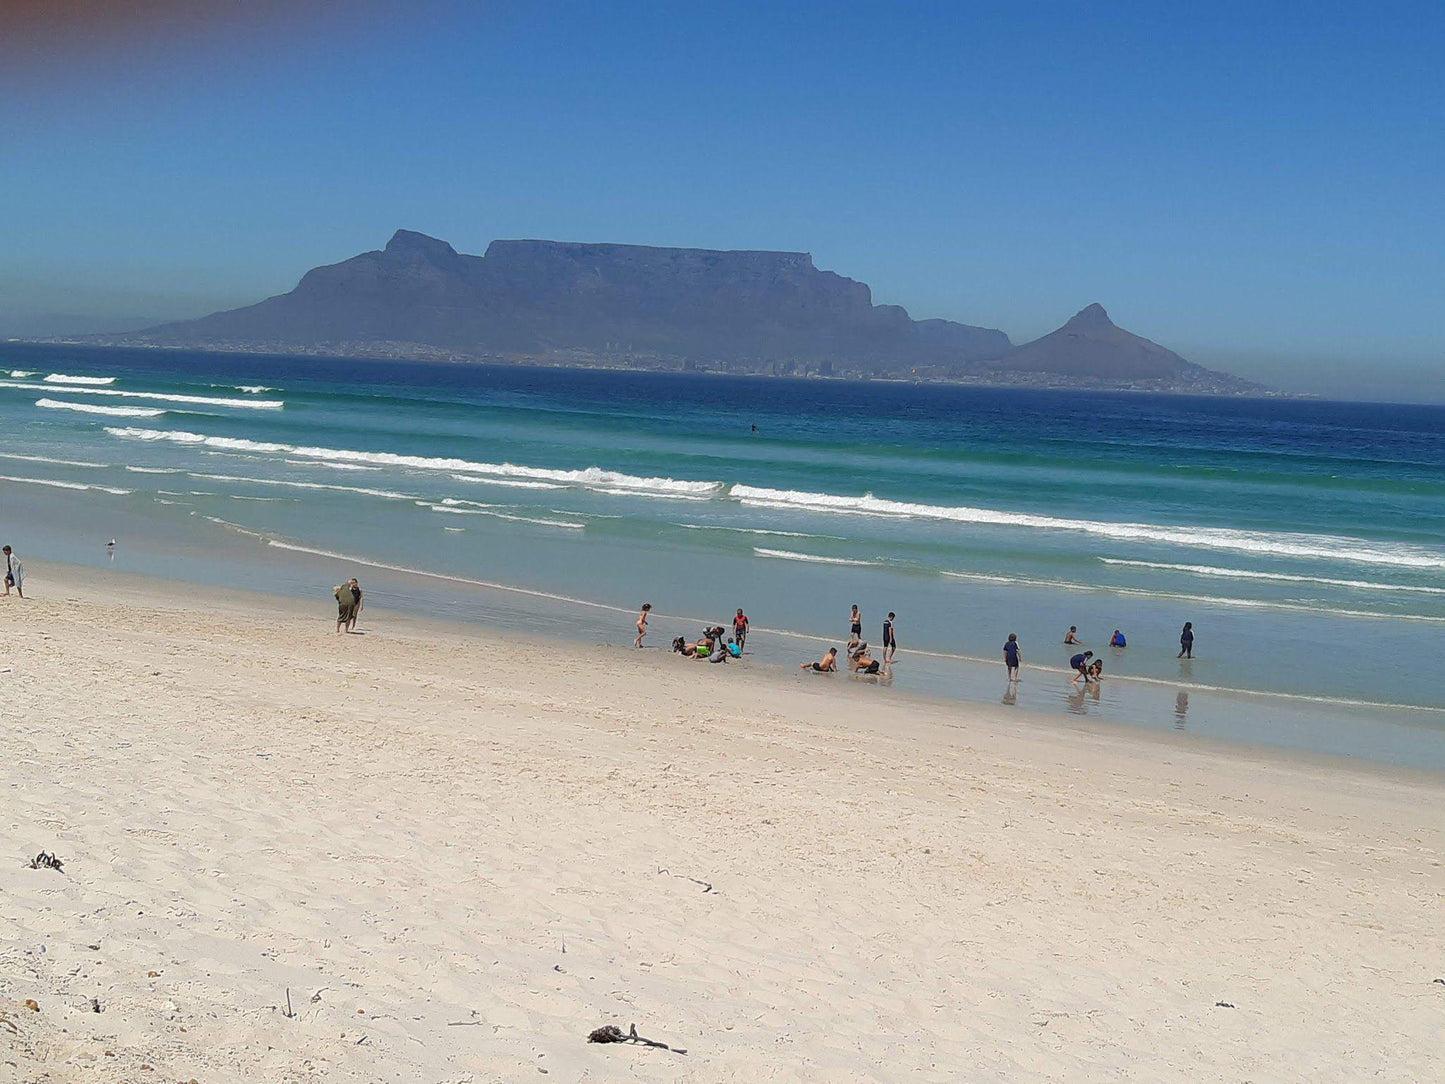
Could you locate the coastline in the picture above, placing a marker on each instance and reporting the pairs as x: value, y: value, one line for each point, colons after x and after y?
x: 405, y: 828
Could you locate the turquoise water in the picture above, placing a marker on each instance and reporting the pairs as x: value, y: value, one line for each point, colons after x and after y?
x: 1304, y: 540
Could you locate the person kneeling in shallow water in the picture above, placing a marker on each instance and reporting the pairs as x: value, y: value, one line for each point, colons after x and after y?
x: 862, y: 662
x: 828, y: 664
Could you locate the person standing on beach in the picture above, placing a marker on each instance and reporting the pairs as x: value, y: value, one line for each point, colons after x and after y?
x: 1011, y: 656
x: 355, y: 606
x: 740, y: 629
x: 642, y: 623
x: 1186, y: 641
x: 855, y: 626
x: 890, y: 638
x: 14, y: 572
x: 345, y: 605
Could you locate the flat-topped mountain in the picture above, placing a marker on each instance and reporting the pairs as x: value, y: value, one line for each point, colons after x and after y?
x: 547, y: 299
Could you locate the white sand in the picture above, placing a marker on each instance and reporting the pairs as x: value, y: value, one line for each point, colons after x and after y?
x: 461, y: 856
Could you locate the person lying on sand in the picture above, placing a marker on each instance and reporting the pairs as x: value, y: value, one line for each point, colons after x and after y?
x: 683, y: 648
x: 828, y: 664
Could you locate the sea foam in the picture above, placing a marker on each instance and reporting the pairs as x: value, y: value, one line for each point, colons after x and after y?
x: 1282, y: 544
x: 96, y: 408
x: 158, y: 396
x: 61, y: 378
x: 587, y: 478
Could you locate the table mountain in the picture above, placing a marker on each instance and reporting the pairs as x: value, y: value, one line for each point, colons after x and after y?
x: 548, y: 299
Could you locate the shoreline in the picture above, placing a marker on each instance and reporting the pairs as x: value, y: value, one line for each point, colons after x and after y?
x: 752, y: 673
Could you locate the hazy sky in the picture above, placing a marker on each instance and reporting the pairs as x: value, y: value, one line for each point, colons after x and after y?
x: 1258, y: 186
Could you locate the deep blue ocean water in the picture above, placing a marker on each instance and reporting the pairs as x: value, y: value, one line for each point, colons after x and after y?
x: 1305, y: 540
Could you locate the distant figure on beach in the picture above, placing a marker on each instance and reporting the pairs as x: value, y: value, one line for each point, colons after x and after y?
x: 355, y: 606
x: 890, y: 638
x: 642, y: 623
x: 345, y: 605
x: 855, y: 626
x: 1080, y: 665
x: 755, y: 428
x: 1011, y: 656
x: 14, y: 572
x: 826, y: 665
x: 1072, y: 636
x: 1186, y: 641
x: 1117, y: 640
x: 740, y: 629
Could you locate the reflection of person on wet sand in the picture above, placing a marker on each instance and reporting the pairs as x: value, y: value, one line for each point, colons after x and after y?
x: 1181, y: 708
x: 1078, y: 700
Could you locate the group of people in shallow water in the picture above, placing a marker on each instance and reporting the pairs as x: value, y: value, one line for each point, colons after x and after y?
x: 715, y: 646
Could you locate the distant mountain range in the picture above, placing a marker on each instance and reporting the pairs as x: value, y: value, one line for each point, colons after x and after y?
x: 631, y: 306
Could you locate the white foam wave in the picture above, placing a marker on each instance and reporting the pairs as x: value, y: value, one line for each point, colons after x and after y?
x: 249, y: 389
x: 48, y: 459
x: 21, y: 374
x: 453, y: 510
x: 329, y: 466
x: 387, y: 494
x: 96, y: 408
x: 1288, y: 605
x: 589, y: 478
x: 498, y: 481
x: 1284, y: 544
x: 811, y: 558
x: 56, y: 483
x: 754, y: 530
x: 155, y: 470
x: 1274, y: 577
x: 158, y: 396
x: 61, y: 378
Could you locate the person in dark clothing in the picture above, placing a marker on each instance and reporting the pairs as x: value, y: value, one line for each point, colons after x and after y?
x: 1186, y: 641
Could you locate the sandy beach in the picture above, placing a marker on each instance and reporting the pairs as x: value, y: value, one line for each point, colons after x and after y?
x: 455, y: 854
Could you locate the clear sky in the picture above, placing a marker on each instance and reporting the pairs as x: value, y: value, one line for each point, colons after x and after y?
x: 1259, y: 186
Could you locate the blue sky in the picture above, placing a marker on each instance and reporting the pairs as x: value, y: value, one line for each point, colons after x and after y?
x: 1257, y: 186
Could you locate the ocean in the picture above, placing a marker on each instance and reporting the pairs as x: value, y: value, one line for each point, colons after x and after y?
x: 1305, y: 540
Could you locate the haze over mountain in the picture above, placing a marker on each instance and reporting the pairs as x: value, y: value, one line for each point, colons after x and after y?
x: 634, y: 306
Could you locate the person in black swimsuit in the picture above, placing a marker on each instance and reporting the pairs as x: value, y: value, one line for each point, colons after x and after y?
x: 890, y: 638
x: 1186, y: 641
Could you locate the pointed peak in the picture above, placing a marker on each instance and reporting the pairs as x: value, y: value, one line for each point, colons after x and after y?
x: 409, y: 241
x: 1091, y: 316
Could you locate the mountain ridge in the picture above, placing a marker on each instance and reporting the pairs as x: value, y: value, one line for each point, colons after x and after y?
x: 639, y: 306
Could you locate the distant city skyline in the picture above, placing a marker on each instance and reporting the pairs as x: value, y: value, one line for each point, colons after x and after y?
x: 1256, y: 189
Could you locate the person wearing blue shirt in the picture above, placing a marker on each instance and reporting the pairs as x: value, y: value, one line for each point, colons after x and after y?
x: 1011, y: 656
x: 1118, y: 640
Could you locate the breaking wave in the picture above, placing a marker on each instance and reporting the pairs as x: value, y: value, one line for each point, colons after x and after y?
x: 1282, y: 544
x: 588, y: 478
x: 61, y: 378
x: 96, y: 408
